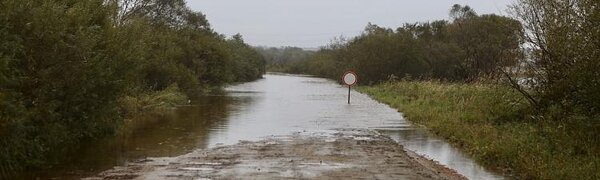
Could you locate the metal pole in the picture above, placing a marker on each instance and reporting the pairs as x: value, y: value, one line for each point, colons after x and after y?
x: 349, y: 87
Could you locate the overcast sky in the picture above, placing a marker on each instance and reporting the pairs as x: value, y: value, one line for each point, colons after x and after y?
x: 313, y: 23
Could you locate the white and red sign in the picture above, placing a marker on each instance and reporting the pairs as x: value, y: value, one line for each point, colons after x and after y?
x: 349, y: 78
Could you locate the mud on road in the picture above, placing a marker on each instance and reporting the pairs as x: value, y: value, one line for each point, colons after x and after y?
x: 339, y: 154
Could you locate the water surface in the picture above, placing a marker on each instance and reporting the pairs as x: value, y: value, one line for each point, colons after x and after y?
x: 275, y: 105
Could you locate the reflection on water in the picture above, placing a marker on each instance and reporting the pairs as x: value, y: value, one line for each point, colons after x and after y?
x: 276, y: 105
x: 297, y: 103
x: 169, y: 133
x: 420, y: 141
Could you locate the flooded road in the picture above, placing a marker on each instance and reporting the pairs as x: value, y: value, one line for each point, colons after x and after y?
x: 276, y: 105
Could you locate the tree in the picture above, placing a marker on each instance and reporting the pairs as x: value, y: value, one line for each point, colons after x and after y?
x: 490, y: 44
x: 466, y: 49
x: 60, y: 85
x: 564, y: 38
x: 458, y: 12
x: 250, y: 64
x: 281, y: 59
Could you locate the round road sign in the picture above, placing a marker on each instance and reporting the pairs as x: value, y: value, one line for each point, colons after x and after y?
x: 349, y: 78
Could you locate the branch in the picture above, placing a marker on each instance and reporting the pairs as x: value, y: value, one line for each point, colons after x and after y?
x: 515, y: 85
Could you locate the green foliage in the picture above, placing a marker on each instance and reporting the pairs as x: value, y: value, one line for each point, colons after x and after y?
x: 59, y: 83
x: 493, y: 123
x: 70, y: 70
x: 466, y: 49
x: 250, y: 63
x: 489, y: 42
x: 565, y: 56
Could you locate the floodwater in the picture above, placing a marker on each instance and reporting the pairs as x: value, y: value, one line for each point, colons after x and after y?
x: 276, y: 105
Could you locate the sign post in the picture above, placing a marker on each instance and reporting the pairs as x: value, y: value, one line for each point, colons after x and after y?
x: 350, y: 80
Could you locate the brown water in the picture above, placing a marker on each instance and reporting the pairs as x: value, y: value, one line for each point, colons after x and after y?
x: 275, y: 105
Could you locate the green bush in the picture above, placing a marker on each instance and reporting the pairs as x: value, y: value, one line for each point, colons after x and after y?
x: 564, y: 57
x: 70, y: 71
x: 60, y: 85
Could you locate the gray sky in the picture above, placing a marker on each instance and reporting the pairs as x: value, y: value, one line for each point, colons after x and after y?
x: 313, y: 23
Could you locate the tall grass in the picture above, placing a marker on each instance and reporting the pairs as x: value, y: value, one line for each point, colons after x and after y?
x: 6, y: 168
x: 494, y: 124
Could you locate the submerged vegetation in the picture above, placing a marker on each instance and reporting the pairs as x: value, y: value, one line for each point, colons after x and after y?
x: 71, y: 71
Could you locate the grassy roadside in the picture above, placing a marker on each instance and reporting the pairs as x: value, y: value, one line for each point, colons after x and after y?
x: 492, y: 124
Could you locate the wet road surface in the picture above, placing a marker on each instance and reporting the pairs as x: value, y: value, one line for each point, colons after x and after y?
x: 276, y: 105
x: 334, y: 154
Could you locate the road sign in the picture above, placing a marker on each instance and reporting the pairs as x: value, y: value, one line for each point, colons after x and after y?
x: 349, y: 79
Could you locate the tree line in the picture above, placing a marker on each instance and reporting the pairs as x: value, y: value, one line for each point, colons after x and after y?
x: 66, y: 66
x: 463, y: 49
x: 278, y: 58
